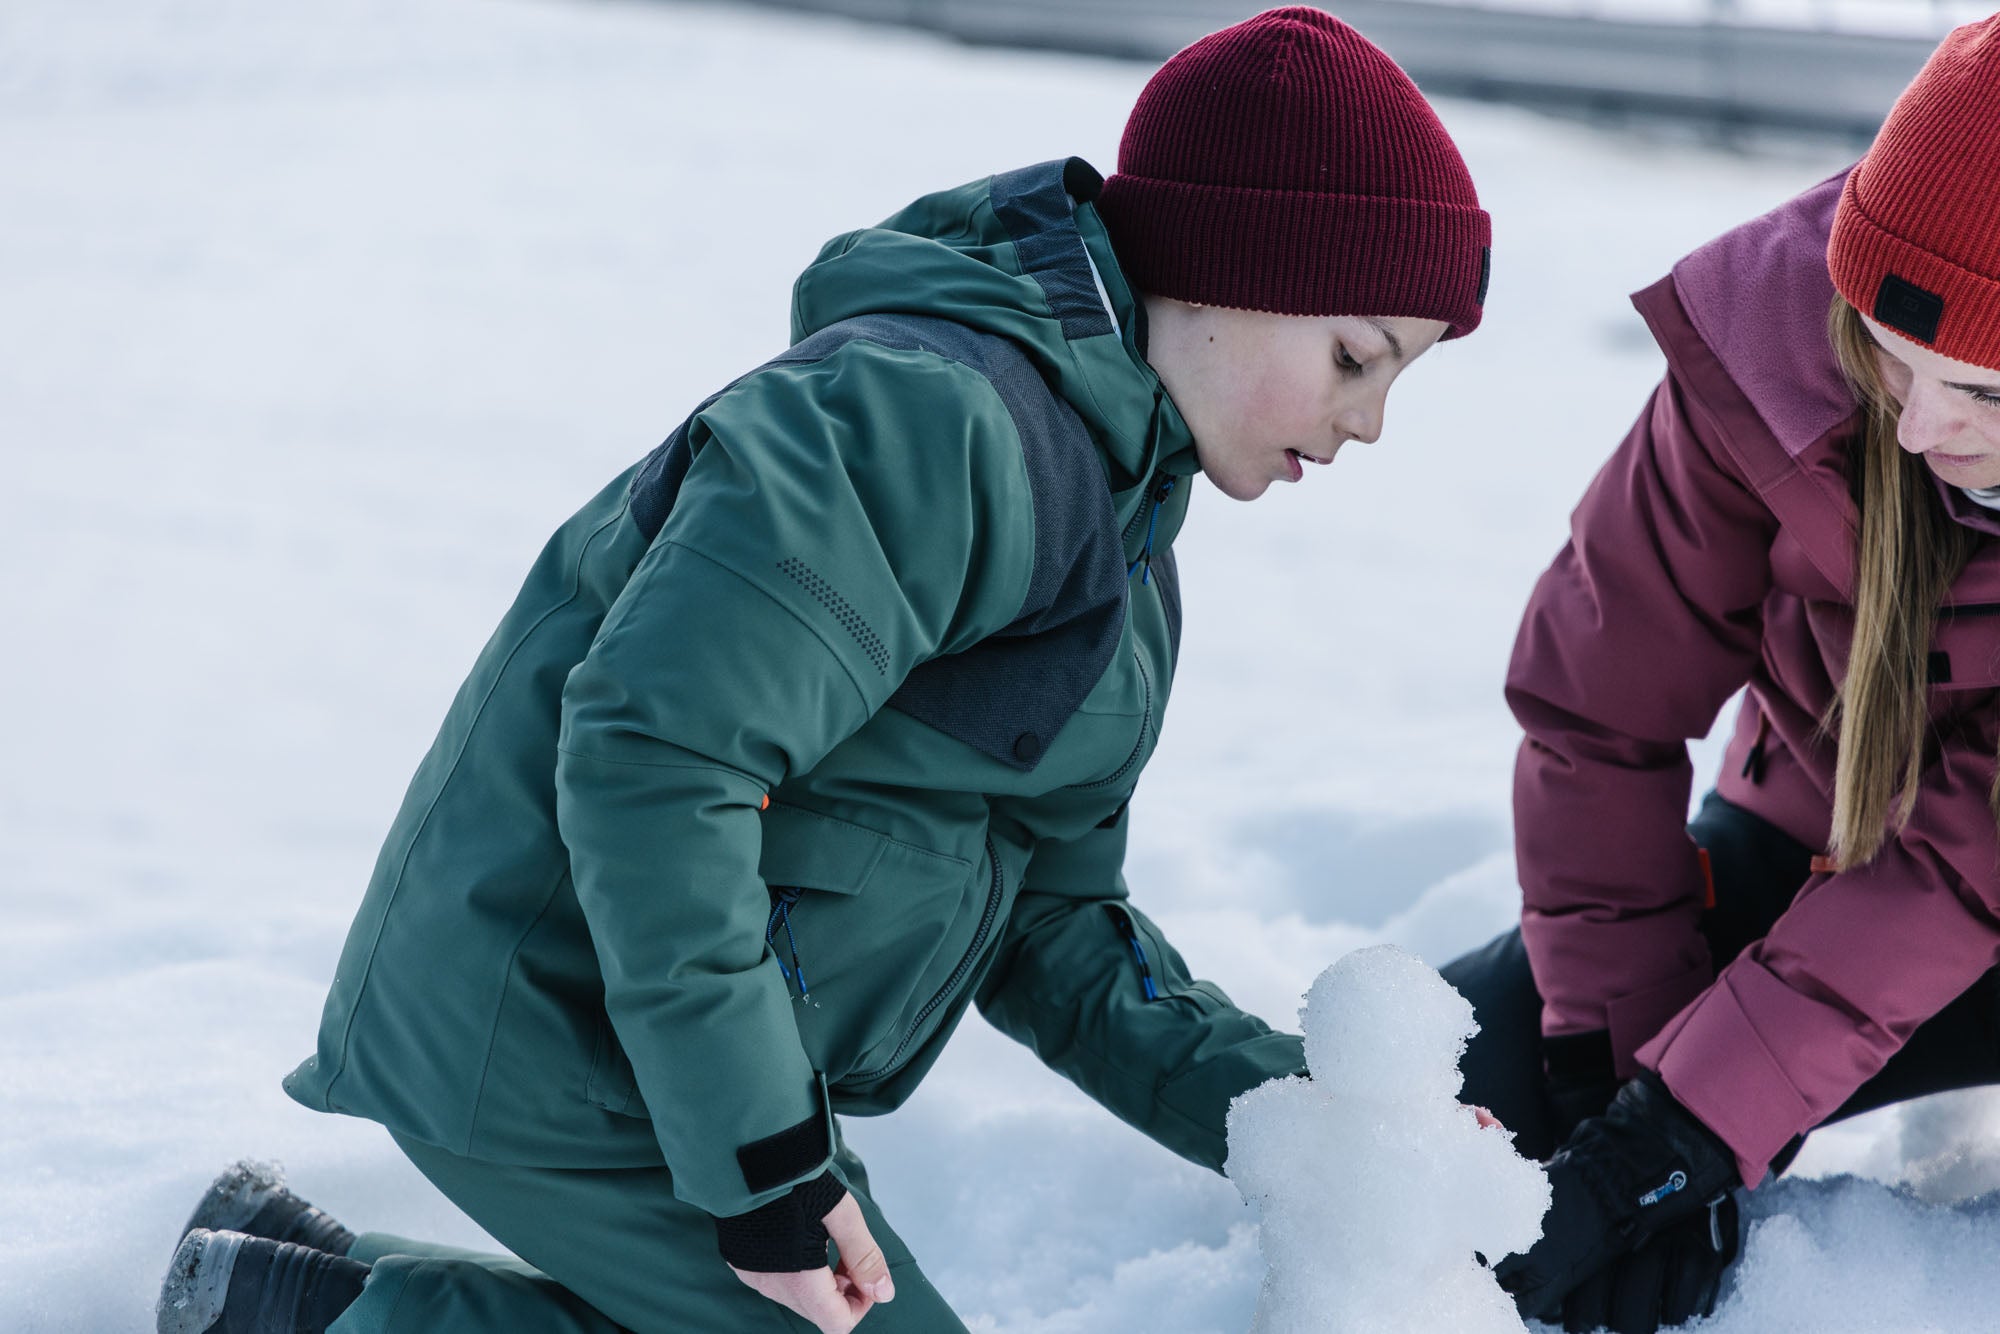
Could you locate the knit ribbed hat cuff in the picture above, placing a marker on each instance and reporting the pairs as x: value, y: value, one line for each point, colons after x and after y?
x: 1861, y: 253
x: 1296, y: 253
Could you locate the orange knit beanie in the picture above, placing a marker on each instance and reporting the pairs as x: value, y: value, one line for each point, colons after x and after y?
x: 1916, y: 239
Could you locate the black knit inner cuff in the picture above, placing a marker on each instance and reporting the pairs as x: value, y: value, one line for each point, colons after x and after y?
x: 1575, y: 1060
x: 785, y: 1236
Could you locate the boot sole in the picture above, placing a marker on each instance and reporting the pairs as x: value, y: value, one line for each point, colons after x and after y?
x: 197, y: 1282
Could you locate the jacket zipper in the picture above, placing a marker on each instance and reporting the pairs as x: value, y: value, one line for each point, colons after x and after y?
x: 1145, y: 726
x: 944, y: 993
x: 1132, y: 524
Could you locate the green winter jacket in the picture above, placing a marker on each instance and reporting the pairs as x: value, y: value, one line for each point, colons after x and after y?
x: 811, y: 729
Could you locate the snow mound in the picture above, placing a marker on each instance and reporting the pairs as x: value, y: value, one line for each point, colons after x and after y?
x: 1378, y: 1189
x: 1861, y: 1257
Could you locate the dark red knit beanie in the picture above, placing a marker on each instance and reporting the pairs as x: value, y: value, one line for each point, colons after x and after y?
x: 1286, y: 164
x: 1916, y: 239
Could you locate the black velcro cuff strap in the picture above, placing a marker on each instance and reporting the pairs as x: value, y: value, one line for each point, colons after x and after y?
x: 786, y: 1236
x: 772, y: 1161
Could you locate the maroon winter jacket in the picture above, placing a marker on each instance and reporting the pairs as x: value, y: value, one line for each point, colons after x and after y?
x: 1716, y: 550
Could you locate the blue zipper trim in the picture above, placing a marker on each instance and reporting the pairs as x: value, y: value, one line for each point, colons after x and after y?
x: 1122, y: 920
x: 781, y: 911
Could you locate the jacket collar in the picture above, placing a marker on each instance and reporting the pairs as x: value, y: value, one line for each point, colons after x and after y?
x: 1060, y: 241
x: 1742, y: 323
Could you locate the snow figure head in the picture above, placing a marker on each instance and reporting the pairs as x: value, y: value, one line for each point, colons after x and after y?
x: 1372, y: 996
x: 1377, y: 1188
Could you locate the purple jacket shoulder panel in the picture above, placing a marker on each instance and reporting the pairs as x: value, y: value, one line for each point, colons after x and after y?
x: 1758, y: 295
x: 1742, y: 321
x: 1805, y: 488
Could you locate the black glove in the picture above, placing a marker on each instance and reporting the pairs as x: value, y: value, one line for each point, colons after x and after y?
x: 1621, y: 1179
x: 1668, y: 1281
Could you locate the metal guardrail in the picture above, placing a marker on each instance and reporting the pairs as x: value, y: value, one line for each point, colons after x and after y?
x: 1718, y: 71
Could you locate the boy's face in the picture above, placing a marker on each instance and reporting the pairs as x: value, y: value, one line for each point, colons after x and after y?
x: 1268, y: 396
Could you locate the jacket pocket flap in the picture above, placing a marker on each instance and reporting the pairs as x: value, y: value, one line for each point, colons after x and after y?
x: 814, y: 851
x: 1967, y: 649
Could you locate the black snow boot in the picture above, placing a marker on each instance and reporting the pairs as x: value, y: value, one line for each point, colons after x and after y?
x: 251, y: 1197
x: 230, y: 1283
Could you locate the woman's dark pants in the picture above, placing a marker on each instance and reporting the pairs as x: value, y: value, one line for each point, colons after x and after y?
x: 1758, y: 870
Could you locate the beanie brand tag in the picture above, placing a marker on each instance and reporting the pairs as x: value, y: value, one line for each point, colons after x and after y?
x: 1485, y: 274
x: 1908, y: 308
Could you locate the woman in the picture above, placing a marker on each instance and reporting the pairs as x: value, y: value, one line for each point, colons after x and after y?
x: 820, y: 724
x: 1811, y: 517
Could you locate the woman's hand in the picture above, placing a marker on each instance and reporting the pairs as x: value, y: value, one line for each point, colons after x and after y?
x: 1666, y: 1282
x: 833, y: 1299
x: 1644, y: 1166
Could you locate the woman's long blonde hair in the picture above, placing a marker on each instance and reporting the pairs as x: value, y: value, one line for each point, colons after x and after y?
x: 1910, y: 552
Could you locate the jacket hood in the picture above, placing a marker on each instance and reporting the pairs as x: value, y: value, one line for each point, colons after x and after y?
x: 1742, y: 323
x: 1023, y: 255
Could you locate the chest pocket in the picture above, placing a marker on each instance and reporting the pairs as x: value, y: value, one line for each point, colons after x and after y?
x: 867, y: 928
x: 872, y: 925
x: 1965, y: 649
x: 1965, y: 642
x: 1119, y: 722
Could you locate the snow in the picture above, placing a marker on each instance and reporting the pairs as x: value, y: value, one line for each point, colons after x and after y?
x: 1858, y: 1256
x: 318, y: 318
x: 1376, y: 1188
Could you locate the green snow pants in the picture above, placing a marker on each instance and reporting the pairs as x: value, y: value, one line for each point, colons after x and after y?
x: 604, y: 1251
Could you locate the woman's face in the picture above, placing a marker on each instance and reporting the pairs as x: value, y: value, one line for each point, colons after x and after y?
x: 1950, y: 409
x: 1268, y: 396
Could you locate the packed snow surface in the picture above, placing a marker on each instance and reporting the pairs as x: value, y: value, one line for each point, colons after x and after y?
x: 1376, y: 1188
x: 317, y: 319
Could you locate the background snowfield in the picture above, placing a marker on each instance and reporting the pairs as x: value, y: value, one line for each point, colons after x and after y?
x: 315, y: 320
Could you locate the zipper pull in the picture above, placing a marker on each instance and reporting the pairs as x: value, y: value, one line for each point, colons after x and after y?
x: 1125, y: 928
x: 1146, y: 556
x: 1674, y: 1183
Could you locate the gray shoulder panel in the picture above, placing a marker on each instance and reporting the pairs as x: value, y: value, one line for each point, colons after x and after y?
x: 1008, y: 695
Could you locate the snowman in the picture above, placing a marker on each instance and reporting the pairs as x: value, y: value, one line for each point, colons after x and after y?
x: 1379, y: 1190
